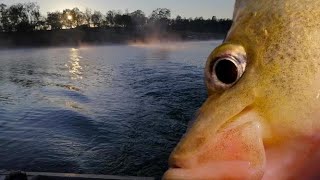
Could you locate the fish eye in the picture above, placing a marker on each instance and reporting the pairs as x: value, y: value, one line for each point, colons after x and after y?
x: 226, y: 71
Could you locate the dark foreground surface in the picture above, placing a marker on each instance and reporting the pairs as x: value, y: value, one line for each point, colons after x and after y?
x: 115, y: 110
x: 18, y: 175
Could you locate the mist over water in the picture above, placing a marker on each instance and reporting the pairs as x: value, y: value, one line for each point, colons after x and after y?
x: 116, y: 110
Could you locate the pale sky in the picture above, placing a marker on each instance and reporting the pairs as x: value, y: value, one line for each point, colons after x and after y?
x: 185, y: 8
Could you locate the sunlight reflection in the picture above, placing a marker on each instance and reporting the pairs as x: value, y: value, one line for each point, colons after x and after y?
x: 74, y: 66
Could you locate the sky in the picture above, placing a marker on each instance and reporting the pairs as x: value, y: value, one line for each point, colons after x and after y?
x: 184, y: 8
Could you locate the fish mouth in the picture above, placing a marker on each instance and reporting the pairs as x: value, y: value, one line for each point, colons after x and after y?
x: 243, y: 148
x: 216, y: 170
x: 235, y: 151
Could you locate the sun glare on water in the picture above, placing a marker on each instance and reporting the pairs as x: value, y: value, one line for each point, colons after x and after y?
x: 74, y: 65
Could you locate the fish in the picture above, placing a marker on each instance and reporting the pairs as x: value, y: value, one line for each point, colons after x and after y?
x: 261, y: 119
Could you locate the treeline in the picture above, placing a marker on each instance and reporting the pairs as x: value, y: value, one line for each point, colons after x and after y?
x: 26, y: 17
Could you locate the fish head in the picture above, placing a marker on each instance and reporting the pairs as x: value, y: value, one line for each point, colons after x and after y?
x: 263, y: 87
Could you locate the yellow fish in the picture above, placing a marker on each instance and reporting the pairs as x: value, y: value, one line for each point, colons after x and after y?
x: 261, y: 119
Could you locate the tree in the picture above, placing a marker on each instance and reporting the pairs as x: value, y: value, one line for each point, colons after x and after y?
x: 214, y: 18
x: 42, y: 24
x: 18, y: 18
x: 78, y: 17
x: 87, y: 16
x: 160, y: 14
x: 68, y: 18
x: 33, y: 12
x: 178, y: 18
x: 179, y: 23
x: 97, y: 18
x: 4, y: 22
x: 138, y: 18
x: 118, y: 20
x: 27, y: 17
x: 123, y: 20
x: 110, y: 18
x: 159, y: 19
x: 54, y: 19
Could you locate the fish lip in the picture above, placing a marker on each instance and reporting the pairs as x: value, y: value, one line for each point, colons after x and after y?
x: 187, y: 172
x: 217, y: 170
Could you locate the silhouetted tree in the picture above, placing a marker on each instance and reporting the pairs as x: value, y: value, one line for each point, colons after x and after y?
x: 55, y: 20
x: 214, y: 18
x: 27, y: 17
x: 97, y: 18
x: 78, y: 17
x: 4, y: 14
x: 42, y: 24
x: 33, y: 12
x: 17, y: 17
x: 110, y: 18
x: 118, y: 20
x: 123, y: 20
x: 68, y: 18
x: 87, y: 16
x: 160, y: 14
x: 159, y: 19
x: 138, y: 18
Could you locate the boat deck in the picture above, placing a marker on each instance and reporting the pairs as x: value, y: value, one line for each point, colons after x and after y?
x: 65, y: 176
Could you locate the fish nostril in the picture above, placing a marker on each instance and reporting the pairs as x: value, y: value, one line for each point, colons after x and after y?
x: 175, y: 165
x: 179, y: 163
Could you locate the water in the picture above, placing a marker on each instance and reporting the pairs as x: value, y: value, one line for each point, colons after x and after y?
x: 116, y: 110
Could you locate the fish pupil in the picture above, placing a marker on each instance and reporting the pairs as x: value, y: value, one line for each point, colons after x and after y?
x: 226, y: 71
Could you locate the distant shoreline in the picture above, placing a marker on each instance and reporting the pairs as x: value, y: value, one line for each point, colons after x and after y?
x: 96, y: 36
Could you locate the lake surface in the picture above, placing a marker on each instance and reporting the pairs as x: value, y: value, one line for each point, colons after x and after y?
x: 116, y: 110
